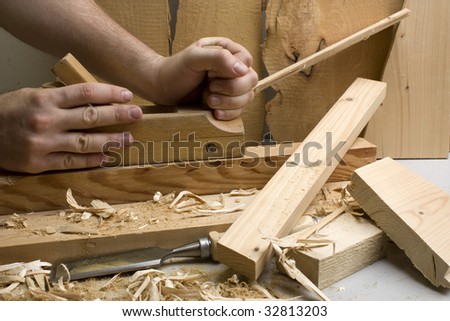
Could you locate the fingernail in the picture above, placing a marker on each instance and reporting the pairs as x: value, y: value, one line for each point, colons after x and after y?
x: 127, y: 95
x: 240, y: 68
x: 135, y: 113
x: 214, y: 101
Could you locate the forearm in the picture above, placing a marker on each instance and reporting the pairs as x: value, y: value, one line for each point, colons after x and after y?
x: 82, y: 28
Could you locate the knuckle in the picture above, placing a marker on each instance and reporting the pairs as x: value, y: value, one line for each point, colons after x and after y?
x: 90, y: 115
x: 87, y: 91
x: 34, y: 144
x: 82, y: 143
x: 68, y: 161
x: 39, y: 98
x: 40, y: 122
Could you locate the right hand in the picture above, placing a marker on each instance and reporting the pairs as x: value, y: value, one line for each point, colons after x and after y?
x: 41, y: 129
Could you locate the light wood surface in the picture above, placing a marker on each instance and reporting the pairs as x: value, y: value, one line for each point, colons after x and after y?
x: 412, y: 211
x: 34, y: 193
x: 299, y: 28
x: 414, y: 119
x: 282, y: 201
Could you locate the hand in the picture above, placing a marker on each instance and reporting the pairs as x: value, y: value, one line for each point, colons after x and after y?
x: 226, y: 64
x: 40, y: 128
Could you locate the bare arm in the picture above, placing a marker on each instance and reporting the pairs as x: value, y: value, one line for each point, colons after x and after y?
x: 84, y: 29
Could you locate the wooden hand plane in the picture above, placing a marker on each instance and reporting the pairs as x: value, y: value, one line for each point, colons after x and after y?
x: 165, y: 134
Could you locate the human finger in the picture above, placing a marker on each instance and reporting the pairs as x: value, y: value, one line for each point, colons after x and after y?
x: 216, y: 101
x: 234, y: 86
x: 234, y: 48
x: 85, y: 143
x: 97, y: 116
x: 217, y: 62
x: 224, y: 114
x: 65, y: 161
x: 90, y: 93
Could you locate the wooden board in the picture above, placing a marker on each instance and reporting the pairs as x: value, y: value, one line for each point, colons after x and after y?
x: 46, y: 191
x: 297, y: 29
x: 238, y: 20
x: 357, y: 243
x: 414, y: 119
x: 146, y: 20
x: 149, y: 224
x: 412, y: 211
x: 285, y: 197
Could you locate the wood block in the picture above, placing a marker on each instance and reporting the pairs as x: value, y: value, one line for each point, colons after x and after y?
x: 357, y: 244
x: 46, y: 191
x: 283, y: 200
x: 413, y: 121
x: 412, y: 211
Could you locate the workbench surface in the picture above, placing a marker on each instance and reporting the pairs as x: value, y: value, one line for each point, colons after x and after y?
x: 395, y: 278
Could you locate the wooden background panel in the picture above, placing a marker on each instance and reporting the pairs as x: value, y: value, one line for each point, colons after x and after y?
x: 234, y: 19
x: 299, y: 28
x: 146, y: 20
x: 414, y: 119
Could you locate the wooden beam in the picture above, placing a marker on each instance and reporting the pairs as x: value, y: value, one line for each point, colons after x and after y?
x: 281, y: 203
x: 412, y: 211
x: 46, y: 191
x: 149, y: 224
x: 333, y: 49
x: 357, y: 243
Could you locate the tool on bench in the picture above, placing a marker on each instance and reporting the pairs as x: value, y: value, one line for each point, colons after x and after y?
x: 131, y: 261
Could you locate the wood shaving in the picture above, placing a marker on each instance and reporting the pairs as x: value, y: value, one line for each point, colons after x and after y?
x: 17, y: 222
x: 288, y: 266
x: 98, y: 207
x: 243, y: 192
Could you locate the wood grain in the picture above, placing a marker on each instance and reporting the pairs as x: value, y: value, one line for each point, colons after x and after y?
x: 33, y: 193
x: 282, y: 201
x: 299, y: 28
x: 414, y: 119
x: 412, y: 211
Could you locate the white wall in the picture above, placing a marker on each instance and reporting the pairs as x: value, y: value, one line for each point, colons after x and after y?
x: 22, y: 65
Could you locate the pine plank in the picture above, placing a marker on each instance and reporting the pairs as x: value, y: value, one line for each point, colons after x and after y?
x: 282, y: 201
x: 299, y: 28
x: 357, y: 243
x: 414, y: 119
x: 238, y: 20
x: 46, y: 191
x: 412, y: 211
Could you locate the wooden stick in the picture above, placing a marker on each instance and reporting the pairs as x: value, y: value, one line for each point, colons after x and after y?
x: 335, y: 48
x: 281, y: 203
x: 412, y: 211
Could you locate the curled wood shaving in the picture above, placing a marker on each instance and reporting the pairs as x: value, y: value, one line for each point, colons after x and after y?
x: 243, y: 192
x: 98, y: 207
x: 239, y: 207
x: 289, y: 267
x: 17, y: 222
